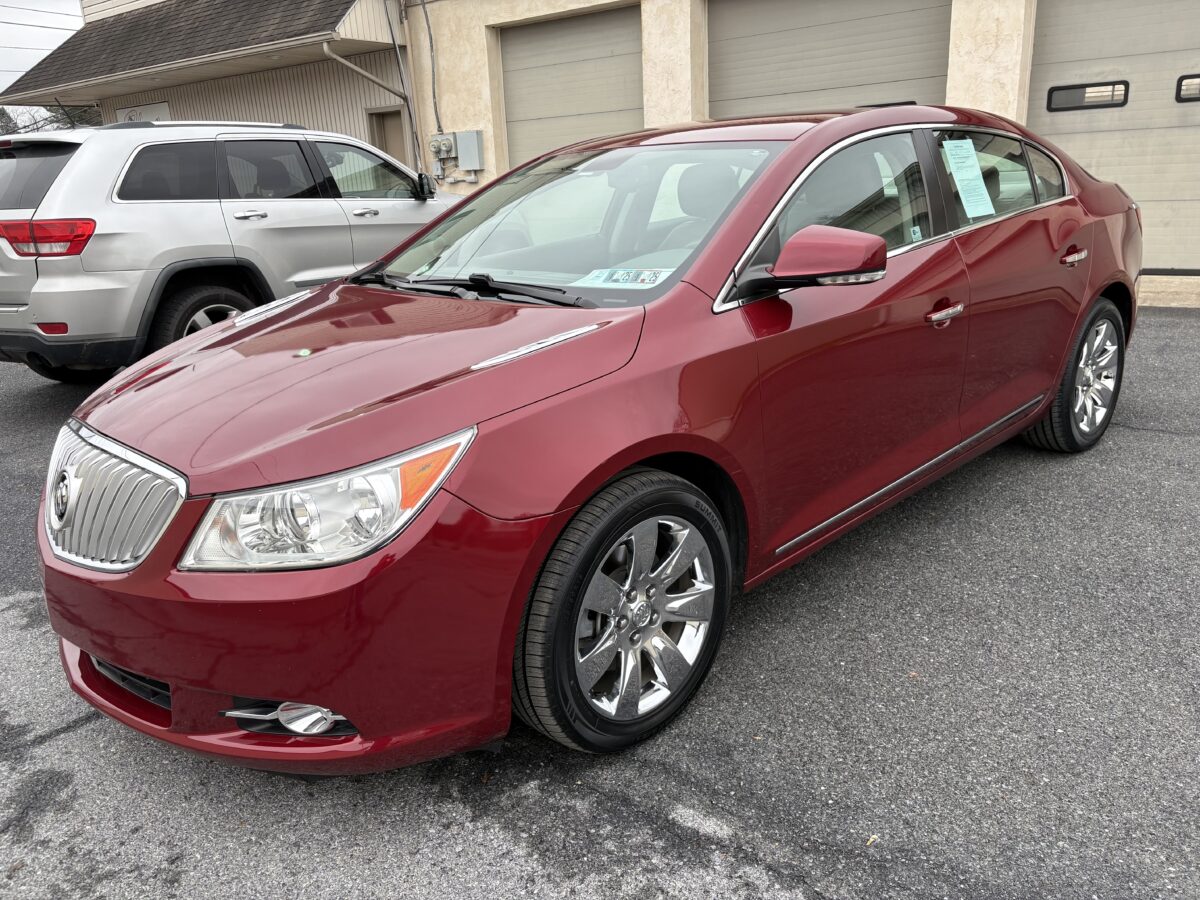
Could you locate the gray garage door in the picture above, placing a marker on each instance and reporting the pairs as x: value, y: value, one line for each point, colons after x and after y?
x: 1151, y: 145
x: 779, y: 56
x: 570, y: 79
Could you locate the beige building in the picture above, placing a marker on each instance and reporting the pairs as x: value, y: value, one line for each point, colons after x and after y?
x: 1116, y: 85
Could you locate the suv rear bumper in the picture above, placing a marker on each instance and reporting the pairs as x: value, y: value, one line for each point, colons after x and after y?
x: 18, y: 346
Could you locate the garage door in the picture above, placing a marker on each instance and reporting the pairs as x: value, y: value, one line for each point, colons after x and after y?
x: 570, y: 79
x: 781, y: 56
x: 1085, y: 51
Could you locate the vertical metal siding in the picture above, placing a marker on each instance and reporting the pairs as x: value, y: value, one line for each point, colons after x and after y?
x: 570, y: 79
x: 1149, y: 145
x: 98, y: 9
x: 780, y: 56
x: 323, y: 95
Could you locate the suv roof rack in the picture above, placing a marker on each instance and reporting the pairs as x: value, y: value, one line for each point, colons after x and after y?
x: 169, y: 124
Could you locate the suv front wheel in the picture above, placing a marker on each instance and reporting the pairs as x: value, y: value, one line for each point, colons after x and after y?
x: 193, y: 309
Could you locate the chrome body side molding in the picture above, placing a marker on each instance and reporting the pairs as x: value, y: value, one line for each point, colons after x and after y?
x: 915, y: 475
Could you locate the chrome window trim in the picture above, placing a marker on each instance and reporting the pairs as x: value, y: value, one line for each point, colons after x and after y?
x: 108, y: 445
x: 915, y: 475
x: 723, y: 304
x: 139, y: 148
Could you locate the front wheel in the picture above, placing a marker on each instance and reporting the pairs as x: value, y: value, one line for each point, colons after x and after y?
x: 625, y: 620
x: 1087, y: 394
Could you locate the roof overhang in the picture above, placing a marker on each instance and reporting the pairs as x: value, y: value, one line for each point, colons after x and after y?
x: 242, y: 61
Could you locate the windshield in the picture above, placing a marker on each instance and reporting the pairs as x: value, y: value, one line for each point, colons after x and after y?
x: 616, y: 226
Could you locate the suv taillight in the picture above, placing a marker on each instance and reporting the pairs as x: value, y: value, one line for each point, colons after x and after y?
x: 48, y: 237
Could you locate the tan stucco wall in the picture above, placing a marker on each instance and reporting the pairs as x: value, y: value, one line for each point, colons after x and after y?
x: 470, y: 92
x: 991, y: 51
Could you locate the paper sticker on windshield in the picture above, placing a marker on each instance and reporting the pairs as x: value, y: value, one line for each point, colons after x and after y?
x: 623, y: 278
x: 964, y: 166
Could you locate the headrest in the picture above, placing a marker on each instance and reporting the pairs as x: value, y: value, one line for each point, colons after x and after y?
x: 705, y: 189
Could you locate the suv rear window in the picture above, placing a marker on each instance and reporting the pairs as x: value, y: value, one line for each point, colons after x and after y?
x: 27, y: 172
x: 182, y: 171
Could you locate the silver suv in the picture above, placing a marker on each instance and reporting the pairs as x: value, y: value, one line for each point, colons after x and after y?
x: 118, y: 240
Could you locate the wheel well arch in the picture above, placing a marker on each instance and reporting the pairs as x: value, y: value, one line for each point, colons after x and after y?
x: 1122, y: 297
x: 239, y: 275
x: 715, y: 481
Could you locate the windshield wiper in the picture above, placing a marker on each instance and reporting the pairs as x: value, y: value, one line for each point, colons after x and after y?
x: 404, y: 284
x: 481, y: 280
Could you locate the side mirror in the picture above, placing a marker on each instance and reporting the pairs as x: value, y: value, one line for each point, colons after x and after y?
x: 819, y: 254
x: 426, y: 188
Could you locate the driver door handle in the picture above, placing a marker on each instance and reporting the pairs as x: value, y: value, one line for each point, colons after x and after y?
x: 250, y: 214
x: 365, y: 211
x: 943, y: 316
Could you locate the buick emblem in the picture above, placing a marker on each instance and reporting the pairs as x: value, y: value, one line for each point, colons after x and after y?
x: 61, y: 499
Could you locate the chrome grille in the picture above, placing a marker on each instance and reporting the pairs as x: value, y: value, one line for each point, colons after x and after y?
x: 117, y: 503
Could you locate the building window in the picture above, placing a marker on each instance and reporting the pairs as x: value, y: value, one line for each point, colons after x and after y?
x: 181, y: 171
x: 1087, y: 96
x: 1187, y: 89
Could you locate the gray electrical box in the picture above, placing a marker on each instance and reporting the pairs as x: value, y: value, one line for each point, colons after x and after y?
x: 470, y: 150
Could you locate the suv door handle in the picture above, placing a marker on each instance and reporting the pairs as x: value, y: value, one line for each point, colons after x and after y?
x: 250, y: 214
x: 365, y: 211
x: 940, y: 317
x: 1073, y: 257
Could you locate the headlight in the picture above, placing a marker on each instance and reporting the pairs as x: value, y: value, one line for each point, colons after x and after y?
x: 324, y: 521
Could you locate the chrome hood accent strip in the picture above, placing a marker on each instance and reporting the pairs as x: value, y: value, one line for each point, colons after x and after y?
x: 534, y: 347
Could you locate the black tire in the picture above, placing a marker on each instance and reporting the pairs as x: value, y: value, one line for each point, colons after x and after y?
x: 546, y: 691
x: 1058, y: 430
x: 177, y: 310
x: 69, y: 374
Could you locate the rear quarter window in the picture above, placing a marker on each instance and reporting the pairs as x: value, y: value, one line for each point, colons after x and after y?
x: 27, y: 172
x: 179, y: 171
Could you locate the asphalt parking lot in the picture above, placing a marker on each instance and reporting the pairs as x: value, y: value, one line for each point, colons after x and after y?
x: 989, y: 691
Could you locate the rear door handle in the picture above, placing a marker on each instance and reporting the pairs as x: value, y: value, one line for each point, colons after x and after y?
x: 943, y: 316
x: 365, y: 211
x: 1073, y: 257
x: 250, y: 214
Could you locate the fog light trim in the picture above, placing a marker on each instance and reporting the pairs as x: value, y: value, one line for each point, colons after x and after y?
x: 304, y: 719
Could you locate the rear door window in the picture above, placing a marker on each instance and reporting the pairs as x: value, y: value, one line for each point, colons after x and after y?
x: 269, y: 170
x: 26, y: 172
x: 179, y: 171
x: 988, y: 175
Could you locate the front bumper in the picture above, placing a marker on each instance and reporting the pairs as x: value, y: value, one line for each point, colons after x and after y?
x: 412, y: 644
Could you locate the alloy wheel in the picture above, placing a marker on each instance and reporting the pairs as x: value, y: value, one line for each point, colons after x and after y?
x: 644, y: 618
x: 1096, y: 377
x: 209, y: 315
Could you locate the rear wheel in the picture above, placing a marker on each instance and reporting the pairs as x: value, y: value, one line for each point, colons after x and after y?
x: 193, y: 309
x: 69, y: 374
x: 625, y: 620
x: 1087, y: 394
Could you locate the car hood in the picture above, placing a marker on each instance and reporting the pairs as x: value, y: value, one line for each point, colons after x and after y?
x: 347, y: 376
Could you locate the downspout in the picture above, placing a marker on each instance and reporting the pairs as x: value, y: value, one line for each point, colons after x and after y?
x: 325, y: 48
x: 405, y: 84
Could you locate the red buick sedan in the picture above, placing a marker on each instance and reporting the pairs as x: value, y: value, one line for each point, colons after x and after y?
x: 527, y: 462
